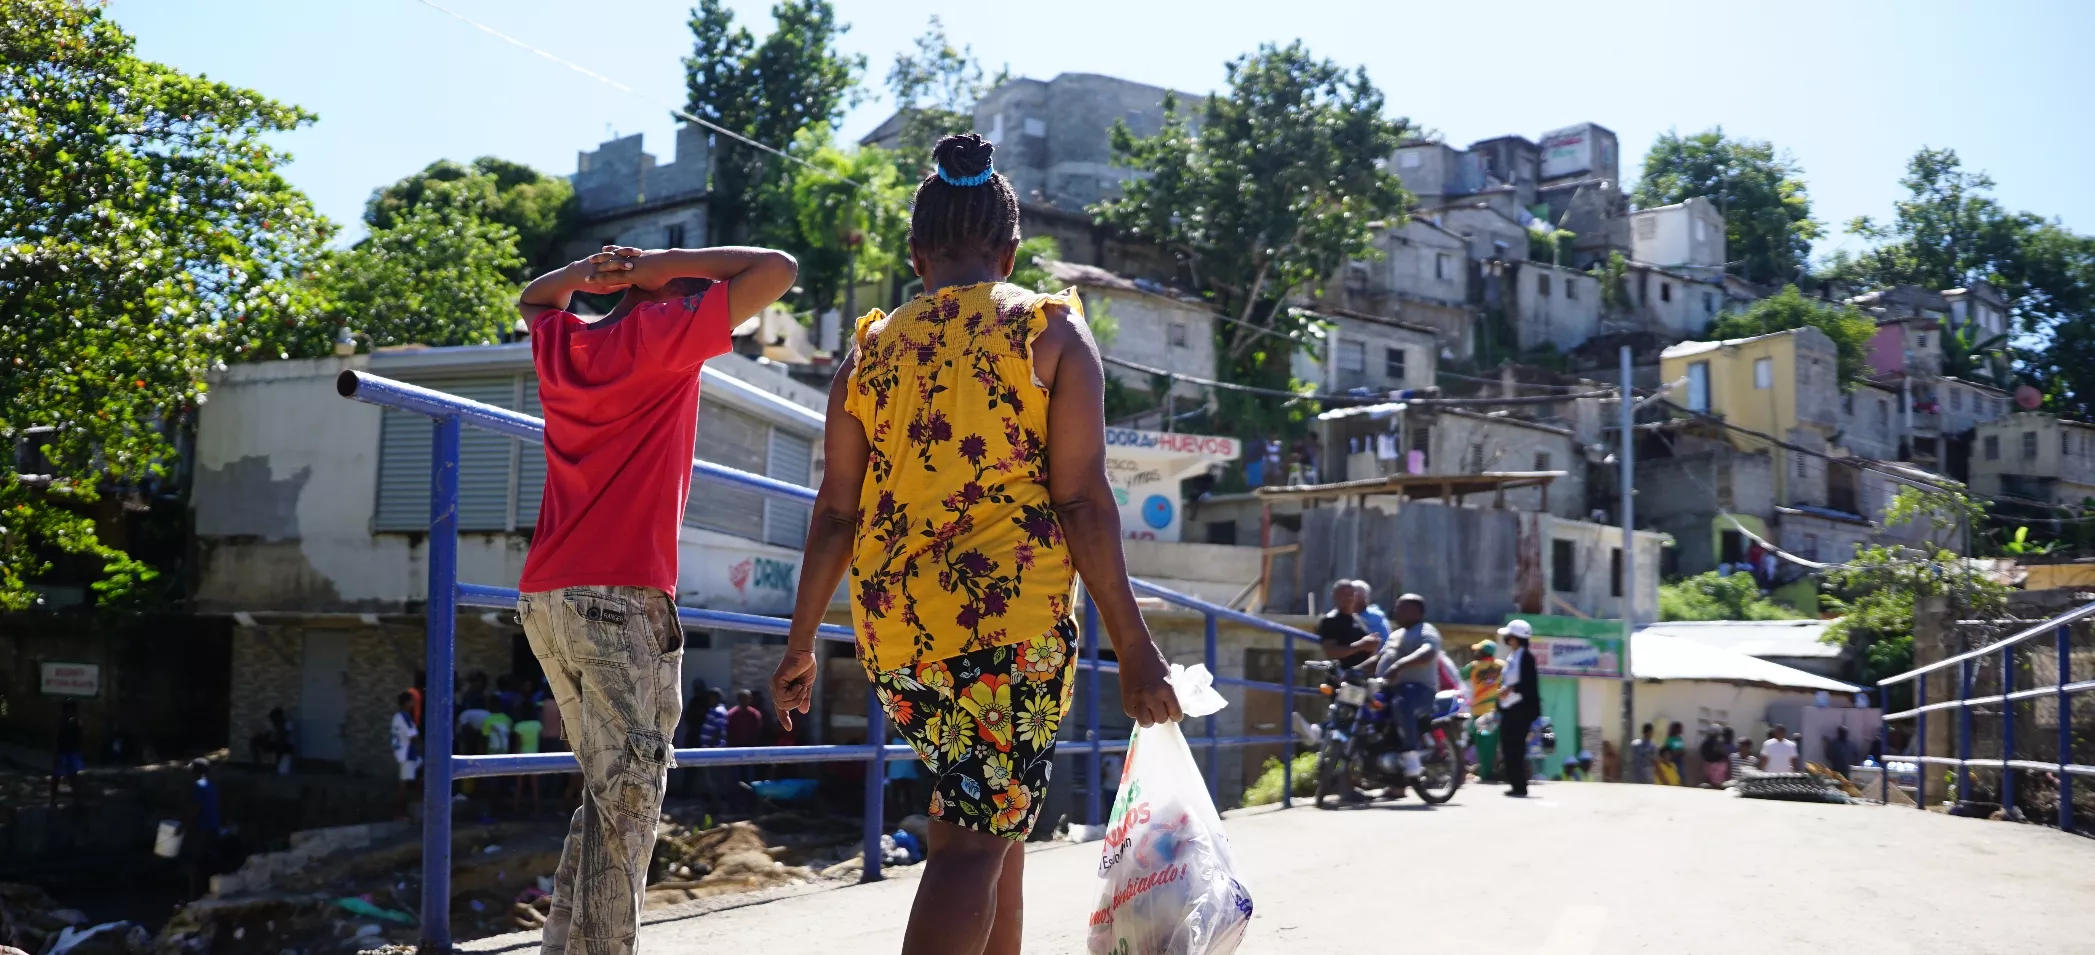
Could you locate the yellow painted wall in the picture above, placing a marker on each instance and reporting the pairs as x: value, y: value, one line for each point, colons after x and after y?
x: 1731, y: 392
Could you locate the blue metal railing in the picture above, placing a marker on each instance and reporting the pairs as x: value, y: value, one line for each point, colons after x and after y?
x: 2061, y: 629
x: 447, y: 594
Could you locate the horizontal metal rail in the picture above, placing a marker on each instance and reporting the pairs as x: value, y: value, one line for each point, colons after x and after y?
x: 2075, y: 615
x: 450, y: 413
x: 2061, y: 690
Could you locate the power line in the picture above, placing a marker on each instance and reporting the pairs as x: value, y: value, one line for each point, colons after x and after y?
x: 1404, y: 395
x: 636, y: 94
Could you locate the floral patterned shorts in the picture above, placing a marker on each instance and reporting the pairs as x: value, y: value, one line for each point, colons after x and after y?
x: 984, y: 724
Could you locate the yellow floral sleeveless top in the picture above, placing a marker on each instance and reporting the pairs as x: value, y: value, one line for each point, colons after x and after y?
x: 958, y: 547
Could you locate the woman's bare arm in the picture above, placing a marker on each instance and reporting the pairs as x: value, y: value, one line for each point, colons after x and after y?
x: 1090, y: 518
x: 831, y: 531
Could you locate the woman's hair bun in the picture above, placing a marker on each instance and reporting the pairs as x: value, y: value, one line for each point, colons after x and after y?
x: 963, y: 155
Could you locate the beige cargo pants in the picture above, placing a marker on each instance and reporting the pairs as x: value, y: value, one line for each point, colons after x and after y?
x: 613, y: 657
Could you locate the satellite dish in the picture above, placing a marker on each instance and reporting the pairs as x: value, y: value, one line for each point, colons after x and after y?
x: 2028, y: 398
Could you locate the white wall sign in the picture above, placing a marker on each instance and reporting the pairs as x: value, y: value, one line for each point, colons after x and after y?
x: 720, y: 572
x: 1566, y: 151
x: 71, y: 679
x: 1145, y: 468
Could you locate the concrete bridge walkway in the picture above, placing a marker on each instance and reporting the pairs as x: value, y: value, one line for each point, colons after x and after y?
x: 1581, y: 869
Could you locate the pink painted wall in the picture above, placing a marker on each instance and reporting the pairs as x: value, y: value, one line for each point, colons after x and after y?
x: 1887, y: 349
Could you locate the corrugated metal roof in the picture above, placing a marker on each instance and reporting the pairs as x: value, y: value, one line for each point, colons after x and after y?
x: 1656, y: 656
x: 1754, y: 638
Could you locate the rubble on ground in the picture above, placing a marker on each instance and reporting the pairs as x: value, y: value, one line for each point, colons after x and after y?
x: 31, y: 920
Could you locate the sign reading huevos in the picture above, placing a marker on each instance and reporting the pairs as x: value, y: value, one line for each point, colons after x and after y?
x: 1145, y: 468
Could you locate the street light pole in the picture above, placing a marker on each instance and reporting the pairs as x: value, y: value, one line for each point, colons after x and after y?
x: 1629, y: 561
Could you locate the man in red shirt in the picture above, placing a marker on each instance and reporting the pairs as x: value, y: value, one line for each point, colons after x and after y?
x: 621, y: 406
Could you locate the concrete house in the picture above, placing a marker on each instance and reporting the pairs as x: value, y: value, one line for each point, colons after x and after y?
x: 1686, y: 236
x: 1377, y: 354
x: 627, y: 198
x: 1422, y: 278
x: 1154, y: 326
x: 1054, y: 136
x: 1553, y: 306
x: 1384, y: 440
x: 2035, y: 457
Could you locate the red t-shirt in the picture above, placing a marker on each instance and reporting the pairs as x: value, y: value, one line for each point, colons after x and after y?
x: 621, y: 408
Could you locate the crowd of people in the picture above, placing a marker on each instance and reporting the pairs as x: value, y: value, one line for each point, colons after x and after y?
x: 1722, y: 755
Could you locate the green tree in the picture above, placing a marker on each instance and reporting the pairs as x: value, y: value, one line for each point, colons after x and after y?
x: 850, y: 195
x: 1711, y: 597
x: 769, y: 91
x: 1876, y: 592
x: 438, y: 274
x: 935, y: 89
x: 1767, y: 215
x: 1950, y: 231
x: 540, y: 208
x: 1850, y: 330
x: 1281, y: 184
x: 145, y: 236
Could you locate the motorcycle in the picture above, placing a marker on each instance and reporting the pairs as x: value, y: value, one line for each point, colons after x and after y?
x: 1359, y: 746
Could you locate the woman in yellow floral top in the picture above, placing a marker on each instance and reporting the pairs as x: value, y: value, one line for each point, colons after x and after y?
x: 964, y: 490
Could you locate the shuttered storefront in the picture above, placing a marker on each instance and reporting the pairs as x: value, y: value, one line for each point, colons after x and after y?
x: 792, y: 459
x: 499, y: 478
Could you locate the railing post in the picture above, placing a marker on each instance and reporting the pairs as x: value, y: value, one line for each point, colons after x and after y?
x: 2065, y: 636
x: 1214, y: 740
x: 441, y: 611
x: 1883, y: 746
x: 2007, y: 730
x: 1964, y: 732
x: 876, y: 785
x: 1287, y: 721
x: 1920, y: 743
x: 1092, y: 809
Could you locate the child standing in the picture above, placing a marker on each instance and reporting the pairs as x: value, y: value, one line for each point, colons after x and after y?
x: 407, y: 748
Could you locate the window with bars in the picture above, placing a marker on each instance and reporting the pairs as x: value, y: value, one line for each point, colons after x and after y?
x: 1563, y: 570
x: 1542, y: 460
x: 1393, y: 363
x: 1992, y: 444
x: 1476, y: 459
x: 1352, y: 356
x: 2029, y: 444
x: 1542, y: 284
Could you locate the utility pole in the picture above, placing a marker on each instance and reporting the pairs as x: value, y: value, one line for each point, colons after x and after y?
x: 1629, y: 560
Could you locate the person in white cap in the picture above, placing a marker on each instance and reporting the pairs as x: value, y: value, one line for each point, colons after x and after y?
x: 1520, y: 704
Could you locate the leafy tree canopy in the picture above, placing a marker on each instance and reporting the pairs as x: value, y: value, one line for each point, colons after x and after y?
x: 1950, y: 231
x: 1711, y: 597
x: 1767, y: 215
x: 145, y: 235
x: 540, y: 208
x: 1278, y: 186
x: 1875, y: 593
x: 1850, y: 330
x: 767, y: 90
x: 935, y: 88
x: 437, y: 274
x: 829, y: 214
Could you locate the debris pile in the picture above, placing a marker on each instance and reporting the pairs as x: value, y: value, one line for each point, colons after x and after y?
x: 31, y: 920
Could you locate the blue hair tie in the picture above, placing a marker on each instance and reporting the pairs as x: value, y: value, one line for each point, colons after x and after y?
x: 974, y: 180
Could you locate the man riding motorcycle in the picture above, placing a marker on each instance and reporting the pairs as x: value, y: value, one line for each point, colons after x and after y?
x: 1410, y: 662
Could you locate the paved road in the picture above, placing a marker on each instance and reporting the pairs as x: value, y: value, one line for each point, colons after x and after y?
x: 1602, y: 869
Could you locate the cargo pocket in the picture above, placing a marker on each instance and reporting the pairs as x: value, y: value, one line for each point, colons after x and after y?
x: 637, y: 790
x: 604, y: 623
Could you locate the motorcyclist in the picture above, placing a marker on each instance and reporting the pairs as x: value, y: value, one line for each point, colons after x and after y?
x: 1410, y: 664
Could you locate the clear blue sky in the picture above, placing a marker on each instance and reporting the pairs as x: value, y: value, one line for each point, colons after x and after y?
x: 1851, y: 89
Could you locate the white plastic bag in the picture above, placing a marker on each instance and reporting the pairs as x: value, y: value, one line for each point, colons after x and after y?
x: 1167, y: 885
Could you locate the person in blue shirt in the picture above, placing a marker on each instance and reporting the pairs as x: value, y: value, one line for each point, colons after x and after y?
x: 200, y: 828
